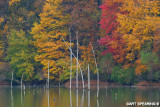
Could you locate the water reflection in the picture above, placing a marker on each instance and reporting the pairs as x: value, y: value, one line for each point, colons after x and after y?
x: 48, y: 96
x: 11, y: 97
x: 21, y: 98
x: 70, y: 98
x: 76, y: 97
x: 82, y: 99
x: 97, y: 98
x: 88, y: 98
x: 63, y: 97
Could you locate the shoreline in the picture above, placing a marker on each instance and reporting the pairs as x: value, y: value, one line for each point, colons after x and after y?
x: 93, y: 84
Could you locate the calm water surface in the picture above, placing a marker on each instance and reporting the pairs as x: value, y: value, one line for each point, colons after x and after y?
x: 64, y: 97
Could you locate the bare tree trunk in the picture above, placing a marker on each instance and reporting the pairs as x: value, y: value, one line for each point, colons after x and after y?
x: 76, y: 60
x: 70, y: 60
x: 48, y: 76
x: 12, y: 78
x: 96, y: 68
x: 21, y: 81
x: 88, y: 78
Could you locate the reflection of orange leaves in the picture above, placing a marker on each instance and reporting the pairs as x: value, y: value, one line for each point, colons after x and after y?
x: 139, y: 98
x: 140, y: 67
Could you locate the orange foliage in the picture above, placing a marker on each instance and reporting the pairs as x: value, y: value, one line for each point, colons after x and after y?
x: 137, y: 27
x: 47, y: 37
x: 140, y: 67
x: 87, y: 57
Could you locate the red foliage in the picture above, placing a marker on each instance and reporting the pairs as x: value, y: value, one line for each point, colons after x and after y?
x: 108, y: 22
x: 108, y: 18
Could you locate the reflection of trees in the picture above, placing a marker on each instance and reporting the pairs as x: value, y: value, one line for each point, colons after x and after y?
x: 147, y: 94
x: 60, y: 97
x: 122, y: 93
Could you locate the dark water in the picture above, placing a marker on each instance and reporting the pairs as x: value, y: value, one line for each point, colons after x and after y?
x: 60, y: 97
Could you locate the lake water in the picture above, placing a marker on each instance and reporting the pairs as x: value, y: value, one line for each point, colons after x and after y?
x: 64, y: 97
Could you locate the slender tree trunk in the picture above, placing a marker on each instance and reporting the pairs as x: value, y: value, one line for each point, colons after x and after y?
x: 77, y: 62
x: 48, y: 76
x: 96, y: 69
x: 12, y: 78
x: 70, y: 59
x: 88, y: 78
x: 21, y: 81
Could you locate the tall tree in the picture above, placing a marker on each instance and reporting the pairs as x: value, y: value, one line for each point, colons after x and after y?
x: 20, y: 55
x: 47, y: 35
x: 138, y: 26
x: 111, y: 39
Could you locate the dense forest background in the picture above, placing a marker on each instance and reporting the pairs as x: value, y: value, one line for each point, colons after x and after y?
x: 125, y: 36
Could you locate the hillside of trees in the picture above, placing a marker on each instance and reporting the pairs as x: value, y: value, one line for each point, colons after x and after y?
x: 124, y: 34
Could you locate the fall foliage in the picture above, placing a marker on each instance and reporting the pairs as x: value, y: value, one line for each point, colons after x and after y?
x: 47, y: 35
x: 125, y: 35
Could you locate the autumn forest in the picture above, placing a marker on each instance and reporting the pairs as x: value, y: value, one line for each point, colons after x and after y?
x: 122, y: 35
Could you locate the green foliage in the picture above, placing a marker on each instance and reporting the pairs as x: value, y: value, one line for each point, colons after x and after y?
x: 106, y: 63
x: 20, y: 55
x: 156, y: 76
x: 152, y: 60
x: 123, y: 76
x: 149, y: 59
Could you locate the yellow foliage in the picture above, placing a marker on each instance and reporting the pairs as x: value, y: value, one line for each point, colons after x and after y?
x: 12, y: 1
x: 1, y: 20
x: 137, y: 25
x: 48, y: 41
x: 140, y: 67
x: 87, y: 57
